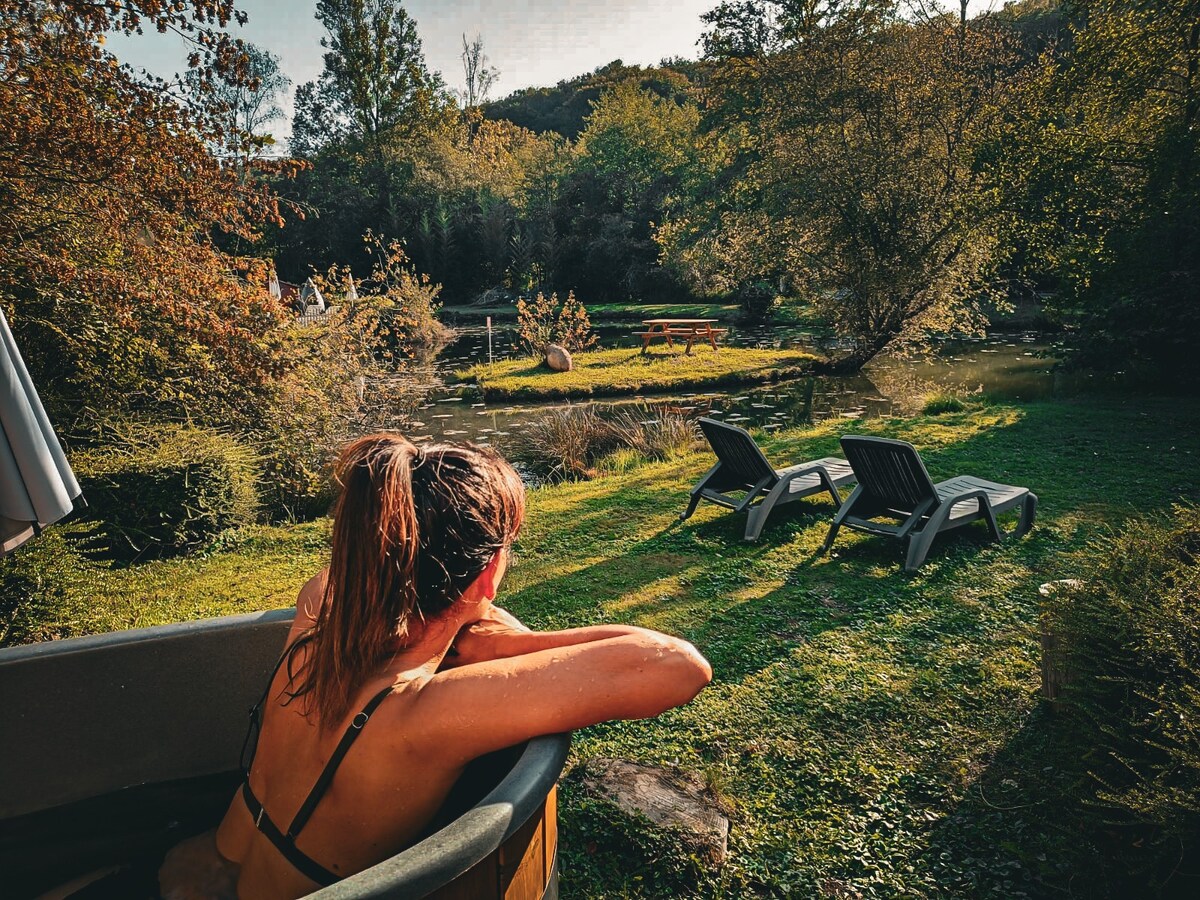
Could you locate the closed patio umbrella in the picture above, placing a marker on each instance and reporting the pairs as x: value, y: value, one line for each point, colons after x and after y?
x: 37, y: 486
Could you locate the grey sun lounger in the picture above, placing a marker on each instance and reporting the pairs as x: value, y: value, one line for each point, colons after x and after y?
x: 755, y: 484
x: 893, y: 483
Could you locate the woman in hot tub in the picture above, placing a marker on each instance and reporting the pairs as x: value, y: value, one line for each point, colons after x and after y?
x: 399, y: 670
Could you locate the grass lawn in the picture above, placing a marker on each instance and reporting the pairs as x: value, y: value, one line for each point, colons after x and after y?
x: 608, y: 373
x: 871, y: 734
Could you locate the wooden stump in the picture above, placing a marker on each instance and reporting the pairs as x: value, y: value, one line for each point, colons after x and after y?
x: 674, y: 800
x: 1056, y: 673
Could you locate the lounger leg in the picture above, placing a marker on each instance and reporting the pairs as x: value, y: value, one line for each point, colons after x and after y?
x: 1028, y: 514
x: 698, y: 492
x: 989, y: 516
x: 919, y: 543
x: 838, y: 519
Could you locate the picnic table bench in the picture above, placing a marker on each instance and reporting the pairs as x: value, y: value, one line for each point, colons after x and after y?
x: 687, y: 330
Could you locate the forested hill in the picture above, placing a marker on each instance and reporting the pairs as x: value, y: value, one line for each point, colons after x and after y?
x: 563, y: 108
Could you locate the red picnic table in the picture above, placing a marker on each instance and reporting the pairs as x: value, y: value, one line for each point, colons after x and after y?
x: 689, y: 330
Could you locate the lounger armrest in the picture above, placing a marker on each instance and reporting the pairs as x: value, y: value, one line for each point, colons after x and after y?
x: 985, y: 502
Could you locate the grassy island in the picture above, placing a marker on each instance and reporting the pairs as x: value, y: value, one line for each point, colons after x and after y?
x: 613, y: 373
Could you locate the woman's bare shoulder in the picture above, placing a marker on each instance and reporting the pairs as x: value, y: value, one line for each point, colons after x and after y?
x: 308, y: 603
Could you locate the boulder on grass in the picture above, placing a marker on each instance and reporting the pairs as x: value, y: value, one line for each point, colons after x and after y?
x: 670, y: 799
x: 558, y: 359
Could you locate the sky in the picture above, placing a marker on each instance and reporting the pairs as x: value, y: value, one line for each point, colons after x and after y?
x: 531, y: 42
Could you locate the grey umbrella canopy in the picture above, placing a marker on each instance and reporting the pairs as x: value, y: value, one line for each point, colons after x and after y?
x: 37, y: 486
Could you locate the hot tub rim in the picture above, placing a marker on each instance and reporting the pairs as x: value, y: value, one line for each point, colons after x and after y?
x: 469, y: 839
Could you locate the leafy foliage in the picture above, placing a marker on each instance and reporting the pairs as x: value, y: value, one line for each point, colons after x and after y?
x: 165, y: 489
x: 245, y: 104
x: 1105, y: 186
x: 542, y: 322
x: 110, y: 268
x: 1131, y: 638
x: 853, y: 175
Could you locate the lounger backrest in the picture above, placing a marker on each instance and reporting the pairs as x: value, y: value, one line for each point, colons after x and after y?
x: 736, y: 449
x: 890, y: 472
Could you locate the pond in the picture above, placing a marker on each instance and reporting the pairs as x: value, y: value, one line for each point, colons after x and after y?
x: 1016, y: 366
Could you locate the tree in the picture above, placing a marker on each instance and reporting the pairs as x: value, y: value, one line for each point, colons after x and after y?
x: 363, y: 124
x: 853, y: 174
x: 245, y: 104
x: 635, y: 151
x: 111, y: 207
x: 480, y: 77
x: 374, y: 87
x: 1102, y: 172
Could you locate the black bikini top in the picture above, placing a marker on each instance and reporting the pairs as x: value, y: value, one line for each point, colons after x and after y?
x: 285, y: 841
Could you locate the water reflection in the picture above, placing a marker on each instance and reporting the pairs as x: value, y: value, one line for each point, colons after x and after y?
x: 1003, y: 366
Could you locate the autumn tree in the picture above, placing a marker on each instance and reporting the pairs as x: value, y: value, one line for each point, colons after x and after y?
x: 854, y: 175
x: 111, y: 203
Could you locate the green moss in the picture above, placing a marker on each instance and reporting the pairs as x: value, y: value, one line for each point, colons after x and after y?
x: 629, y: 371
x: 874, y: 734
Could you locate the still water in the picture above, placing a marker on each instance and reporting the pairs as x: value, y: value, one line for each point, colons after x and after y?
x: 1014, y: 366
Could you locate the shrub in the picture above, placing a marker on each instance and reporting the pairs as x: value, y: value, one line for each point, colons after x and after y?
x: 169, y: 488
x: 937, y: 403
x: 1131, y: 638
x: 541, y: 322
x: 757, y: 300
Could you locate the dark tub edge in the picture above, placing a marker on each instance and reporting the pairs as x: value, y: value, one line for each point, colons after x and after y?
x: 21, y: 652
x: 443, y: 856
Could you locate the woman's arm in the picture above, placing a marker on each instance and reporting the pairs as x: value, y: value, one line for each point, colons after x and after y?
x: 500, y: 635
x: 474, y: 709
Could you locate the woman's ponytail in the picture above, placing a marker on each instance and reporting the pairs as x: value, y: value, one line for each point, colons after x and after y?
x: 371, y: 590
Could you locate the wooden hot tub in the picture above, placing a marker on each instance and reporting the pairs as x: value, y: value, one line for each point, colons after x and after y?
x: 118, y: 746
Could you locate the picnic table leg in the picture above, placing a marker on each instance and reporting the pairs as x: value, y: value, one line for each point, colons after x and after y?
x: 712, y: 338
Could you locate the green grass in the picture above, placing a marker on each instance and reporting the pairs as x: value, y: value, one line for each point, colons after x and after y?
x: 872, y: 734
x: 608, y: 373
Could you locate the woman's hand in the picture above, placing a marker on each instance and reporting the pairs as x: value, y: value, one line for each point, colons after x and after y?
x: 494, y: 636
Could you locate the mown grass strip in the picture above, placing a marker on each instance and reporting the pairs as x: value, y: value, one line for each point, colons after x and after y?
x: 612, y: 373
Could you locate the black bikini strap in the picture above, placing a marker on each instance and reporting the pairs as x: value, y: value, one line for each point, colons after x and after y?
x: 256, y: 713
x: 322, y: 785
x: 304, y: 864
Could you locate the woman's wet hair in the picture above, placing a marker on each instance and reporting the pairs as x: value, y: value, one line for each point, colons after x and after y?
x: 413, y: 528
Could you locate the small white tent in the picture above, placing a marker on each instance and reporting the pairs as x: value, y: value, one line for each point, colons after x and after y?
x: 310, y: 297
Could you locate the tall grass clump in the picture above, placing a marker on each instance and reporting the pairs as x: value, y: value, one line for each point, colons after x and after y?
x: 564, y: 444
x: 571, y: 442
x: 1131, y: 639
x: 655, y: 434
x: 939, y: 403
